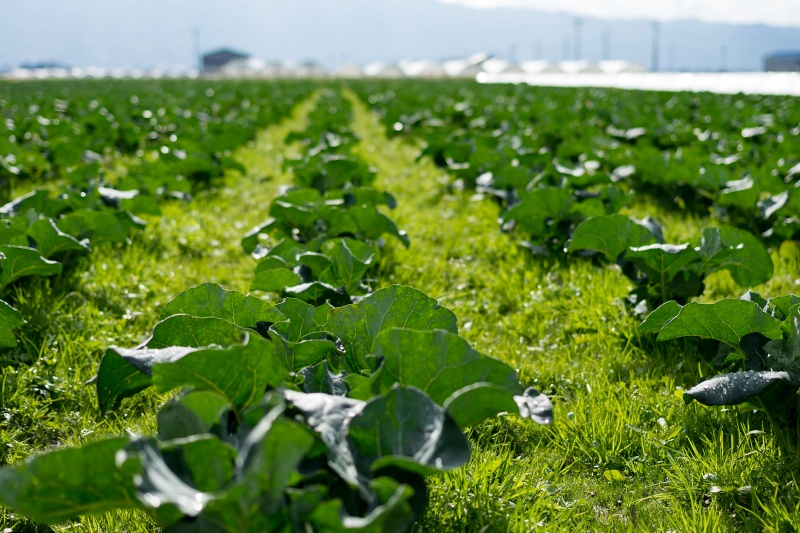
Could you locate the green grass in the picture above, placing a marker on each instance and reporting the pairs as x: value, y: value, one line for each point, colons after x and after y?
x: 112, y: 298
x: 624, y: 454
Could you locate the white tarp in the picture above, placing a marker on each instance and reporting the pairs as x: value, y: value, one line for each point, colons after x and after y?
x: 786, y: 83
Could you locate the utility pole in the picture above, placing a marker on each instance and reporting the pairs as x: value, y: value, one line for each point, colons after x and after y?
x: 656, y: 45
x: 576, y: 38
x: 196, y: 53
x: 512, y: 53
x: 606, y: 45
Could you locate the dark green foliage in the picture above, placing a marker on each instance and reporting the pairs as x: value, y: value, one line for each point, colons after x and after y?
x: 188, y: 136
x: 690, y: 151
x: 242, y: 449
x: 330, y: 227
x: 759, y: 343
x: 663, y: 272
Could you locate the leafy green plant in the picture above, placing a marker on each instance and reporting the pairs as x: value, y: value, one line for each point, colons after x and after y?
x: 759, y: 342
x: 43, y: 232
x: 289, y: 417
x: 547, y: 217
x: 724, y: 155
x: 329, y: 229
x: 663, y: 272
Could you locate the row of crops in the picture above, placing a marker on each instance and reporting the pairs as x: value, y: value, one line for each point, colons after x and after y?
x: 564, y: 163
x: 367, y: 391
x: 175, y: 134
x: 71, y: 135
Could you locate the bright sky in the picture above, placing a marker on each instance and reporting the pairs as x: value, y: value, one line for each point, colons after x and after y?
x: 772, y: 12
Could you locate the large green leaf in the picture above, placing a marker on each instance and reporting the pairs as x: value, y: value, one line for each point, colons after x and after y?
x: 610, y: 235
x: 317, y: 293
x: 9, y: 319
x: 65, y: 484
x: 19, y: 261
x: 477, y: 402
x: 537, y: 207
x: 407, y: 430
x: 784, y: 354
x: 726, y: 321
x: 345, y: 270
x: 124, y: 372
x: 39, y: 201
x: 271, y: 452
x: 265, y: 464
x: 658, y: 318
x: 328, y: 416
x: 782, y: 305
x: 298, y: 208
x: 14, y: 231
x: 438, y: 363
x: 250, y: 240
x: 320, y: 378
x: 392, y: 515
x: 191, y: 413
x: 100, y: 226
x: 662, y: 262
x: 316, y: 262
x: 240, y: 372
x: 161, y: 490
x: 275, y: 280
x: 211, y: 300
x: 51, y: 241
x: 366, y: 222
x: 736, y: 388
x: 737, y: 251
x: 207, y: 460
x: 396, y: 306
x: 187, y: 330
x: 298, y: 341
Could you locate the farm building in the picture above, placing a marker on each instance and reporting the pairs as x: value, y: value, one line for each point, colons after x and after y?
x: 783, y: 62
x: 213, y: 62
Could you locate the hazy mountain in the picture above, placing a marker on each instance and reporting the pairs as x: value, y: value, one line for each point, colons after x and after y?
x: 148, y: 33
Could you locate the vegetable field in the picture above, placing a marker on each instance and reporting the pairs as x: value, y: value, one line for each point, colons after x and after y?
x: 397, y: 306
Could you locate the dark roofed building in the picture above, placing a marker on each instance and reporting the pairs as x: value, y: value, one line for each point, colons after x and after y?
x: 214, y: 61
x: 783, y: 62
